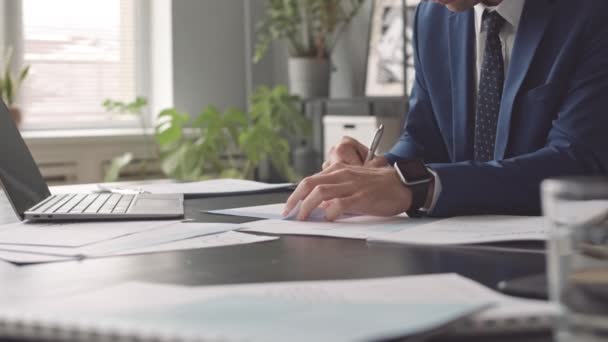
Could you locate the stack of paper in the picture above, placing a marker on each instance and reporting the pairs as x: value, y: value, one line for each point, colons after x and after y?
x: 40, y: 242
x: 397, y: 229
x: 202, y: 188
x: 349, y: 226
x: 472, y: 229
x: 350, y: 310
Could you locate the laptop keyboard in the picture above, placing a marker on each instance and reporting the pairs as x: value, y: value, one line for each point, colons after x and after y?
x: 87, y: 204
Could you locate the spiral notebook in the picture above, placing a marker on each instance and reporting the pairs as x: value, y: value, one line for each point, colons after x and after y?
x: 308, y: 311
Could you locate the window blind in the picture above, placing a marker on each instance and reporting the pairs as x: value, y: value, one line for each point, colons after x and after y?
x: 81, y: 52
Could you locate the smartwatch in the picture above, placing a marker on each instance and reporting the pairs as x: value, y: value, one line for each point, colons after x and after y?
x: 416, y: 176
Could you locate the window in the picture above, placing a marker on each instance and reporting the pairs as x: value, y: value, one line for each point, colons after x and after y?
x: 81, y: 52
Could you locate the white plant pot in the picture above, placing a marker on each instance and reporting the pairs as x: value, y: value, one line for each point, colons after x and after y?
x: 309, y: 77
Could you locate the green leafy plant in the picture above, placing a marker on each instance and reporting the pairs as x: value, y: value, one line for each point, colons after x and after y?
x: 310, y: 27
x: 9, y: 82
x: 231, y: 143
x: 134, y: 108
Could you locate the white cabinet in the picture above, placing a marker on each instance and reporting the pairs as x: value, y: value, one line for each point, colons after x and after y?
x: 361, y: 128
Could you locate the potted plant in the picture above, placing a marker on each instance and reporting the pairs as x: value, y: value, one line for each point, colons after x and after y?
x: 10, y: 84
x: 311, y: 29
x: 231, y: 144
x: 133, y: 108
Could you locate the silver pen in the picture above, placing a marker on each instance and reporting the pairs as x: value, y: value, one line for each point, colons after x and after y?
x: 374, y: 145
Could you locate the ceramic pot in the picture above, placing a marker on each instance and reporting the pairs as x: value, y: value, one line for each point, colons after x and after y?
x: 309, y: 77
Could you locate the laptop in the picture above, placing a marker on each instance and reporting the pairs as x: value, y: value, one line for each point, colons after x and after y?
x: 31, y: 198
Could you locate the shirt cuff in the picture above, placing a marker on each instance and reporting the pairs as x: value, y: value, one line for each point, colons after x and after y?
x: 436, y: 192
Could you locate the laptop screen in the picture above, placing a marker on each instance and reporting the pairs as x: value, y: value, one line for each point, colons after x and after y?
x: 19, y: 175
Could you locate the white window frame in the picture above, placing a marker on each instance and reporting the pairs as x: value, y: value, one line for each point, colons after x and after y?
x: 13, y: 35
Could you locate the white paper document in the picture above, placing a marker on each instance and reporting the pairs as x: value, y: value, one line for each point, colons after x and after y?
x: 21, y: 258
x: 71, y: 234
x: 269, y: 211
x: 209, y: 187
x: 159, y: 232
x: 274, y: 211
x: 348, y: 226
x: 471, y: 230
x: 25, y: 255
x: 357, y: 227
x: 351, y: 310
x: 216, y: 240
x: 343, y: 310
x: 398, y: 229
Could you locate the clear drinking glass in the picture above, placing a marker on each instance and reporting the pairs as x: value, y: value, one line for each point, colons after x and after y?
x: 577, y: 258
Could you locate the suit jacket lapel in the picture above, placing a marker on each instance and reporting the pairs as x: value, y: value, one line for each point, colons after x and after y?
x: 535, y: 16
x: 462, y: 68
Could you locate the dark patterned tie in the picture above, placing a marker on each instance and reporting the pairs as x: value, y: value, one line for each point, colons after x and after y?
x: 491, y: 79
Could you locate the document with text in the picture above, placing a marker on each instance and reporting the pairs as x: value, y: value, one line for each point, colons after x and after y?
x: 208, y: 187
x: 471, y: 230
x: 357, y: 227
x: 397, y: 229
x: 270, y: 211
x: 169, y: 237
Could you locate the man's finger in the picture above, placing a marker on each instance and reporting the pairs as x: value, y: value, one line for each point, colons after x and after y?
x: 361, y: 149
x: 328, y: 162
x: 324, y: 192
x: 378, y: 161
x: 339, y: 206
x: 334, y: 167
x: 307, y: 185
x: 348, y: 151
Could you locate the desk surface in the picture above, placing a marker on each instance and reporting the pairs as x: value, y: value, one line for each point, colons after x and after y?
x: 289, y: 258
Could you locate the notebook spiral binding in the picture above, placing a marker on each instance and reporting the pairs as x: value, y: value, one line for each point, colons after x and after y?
x: 30, y: 327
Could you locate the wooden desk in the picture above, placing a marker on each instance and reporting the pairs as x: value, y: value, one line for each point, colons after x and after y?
x: 286, y: 259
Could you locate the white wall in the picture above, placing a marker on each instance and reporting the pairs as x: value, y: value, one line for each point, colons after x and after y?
x: 160, y: 56
x: 208, y: 54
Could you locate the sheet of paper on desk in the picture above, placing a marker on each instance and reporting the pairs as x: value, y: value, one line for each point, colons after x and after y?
x: 267, y: 211
x: 375, y: 309
x: 210, y: 187
x: 27, y: 254
x: 274, y: 211
x: 356, y: 227
x: 71, y: 234
x: 470, y: 230
x: 168, y: 231
x: 216, y: 240
x: 22, y: 258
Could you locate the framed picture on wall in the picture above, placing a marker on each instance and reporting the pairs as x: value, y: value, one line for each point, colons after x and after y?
x: 389, y: 61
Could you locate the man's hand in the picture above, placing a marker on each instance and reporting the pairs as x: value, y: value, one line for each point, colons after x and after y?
x: 356, y: 189
x: 351, y: 152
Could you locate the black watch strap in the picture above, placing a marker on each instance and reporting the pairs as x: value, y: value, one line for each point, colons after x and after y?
x: 419, y: 194
x: 416, y: 176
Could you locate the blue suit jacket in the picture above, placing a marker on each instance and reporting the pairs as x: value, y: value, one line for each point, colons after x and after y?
x: 553, y: 118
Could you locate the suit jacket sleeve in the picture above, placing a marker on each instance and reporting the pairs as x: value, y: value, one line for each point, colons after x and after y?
x: 577, y: 144
x: 421, y: 137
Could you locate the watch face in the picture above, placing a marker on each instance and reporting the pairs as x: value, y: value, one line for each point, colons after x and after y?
x: 413, y: 170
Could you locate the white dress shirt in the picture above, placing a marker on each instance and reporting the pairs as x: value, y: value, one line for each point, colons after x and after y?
x: 511, y: 11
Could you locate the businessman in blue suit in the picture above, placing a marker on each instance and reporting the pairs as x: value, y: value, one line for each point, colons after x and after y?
x: 507, y: 93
